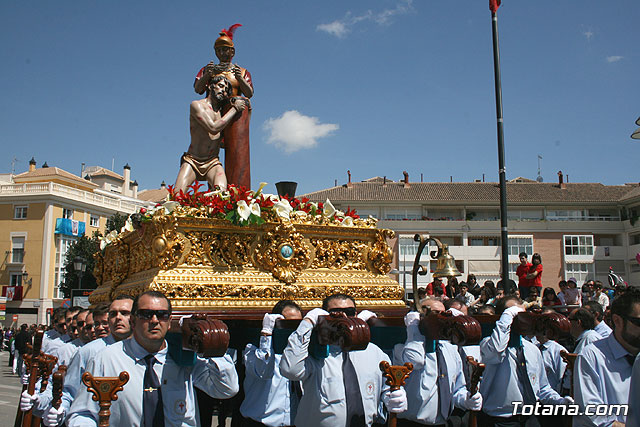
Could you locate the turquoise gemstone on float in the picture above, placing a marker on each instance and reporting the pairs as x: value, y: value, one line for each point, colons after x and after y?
x: 286, y: 251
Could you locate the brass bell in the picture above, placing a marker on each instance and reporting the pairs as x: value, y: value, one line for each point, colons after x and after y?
x: 446, y: 264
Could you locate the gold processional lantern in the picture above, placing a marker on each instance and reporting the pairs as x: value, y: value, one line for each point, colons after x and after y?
x: 445, y: 264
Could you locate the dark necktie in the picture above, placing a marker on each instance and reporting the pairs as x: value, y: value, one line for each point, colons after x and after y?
x: 444, y: 389
x: 295, y: 393
x: 355, y: 409
x: 152, y: 410
x: 528, y: 396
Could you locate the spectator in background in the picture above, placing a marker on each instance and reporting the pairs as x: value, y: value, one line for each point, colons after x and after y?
x: 599, y: 296
x: 437, y: 283
x: 587, y: 291
x: 22, y: 339
x: 474, y: 286
x: 438, y: 293
x: 464, y: 296
x: 521, y: 272
x: 487, y: 296
x: 572, y: 294
x: 549, y: 297
x: 562, y: 295
x: 453, y: 288
x: 508, y: 286
x: 422, y: 294
x: 533, y: 299
x: 535, y: 272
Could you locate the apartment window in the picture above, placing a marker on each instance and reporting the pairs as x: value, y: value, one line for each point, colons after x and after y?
x: 512, y: 271
x: 62, y: 247
x: 67, y: 213
x: 17, y: 250
x: 403, y: 213
x: 578, y: 245
x: 519, y: 244
x: 408, y: 248
x: 634, y: 239
x: 476, y: 241
x: 580, y: 271
x: 20, y: 212
x: 16, y: 279
x: 94, y: 221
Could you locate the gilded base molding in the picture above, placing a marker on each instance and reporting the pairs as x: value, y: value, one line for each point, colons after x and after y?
x: 207, y: 264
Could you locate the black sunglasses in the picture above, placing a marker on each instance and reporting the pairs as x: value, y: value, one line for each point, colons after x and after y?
x: 148, y: 314
x: 634, y: 320
x: 349, y: 311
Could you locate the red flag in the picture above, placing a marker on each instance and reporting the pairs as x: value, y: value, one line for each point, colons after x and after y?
x: 494, y: 5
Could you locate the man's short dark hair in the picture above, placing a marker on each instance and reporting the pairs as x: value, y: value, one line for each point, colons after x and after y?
x: 595, y: 308
x: 522, y: 254
x: 487, y: 309
x: 123, y: 296
x: 80, y: 312
x: 586, y: 318
x: 502, y: 302
x: 327, y: 300
x: 74, y: 309
x: 285, y: 303
x: 60, y: 314
x: 219, y: 78
x: 100, y: 309
x: 623, y: 304
x: 153, y: 294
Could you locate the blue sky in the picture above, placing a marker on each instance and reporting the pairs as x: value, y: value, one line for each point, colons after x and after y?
x: 376, y: 87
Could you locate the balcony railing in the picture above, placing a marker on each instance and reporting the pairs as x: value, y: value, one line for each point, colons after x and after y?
x: 583, y: 218
x: 52, y: 188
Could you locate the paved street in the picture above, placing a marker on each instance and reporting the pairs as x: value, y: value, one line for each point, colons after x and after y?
x: 10, y: 389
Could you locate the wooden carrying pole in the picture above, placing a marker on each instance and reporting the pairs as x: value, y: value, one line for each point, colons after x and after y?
x: 105, y: 390
x: 476, y: 373
x: 58, y: 385
x: 46, y: 363
x: 27, y: 417
x: 395, y: 376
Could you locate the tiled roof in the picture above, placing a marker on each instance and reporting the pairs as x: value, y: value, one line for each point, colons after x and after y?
x: 633, y: 194
x: 477, y: 192
x: 155, y: 195
x: 106, y: 172
x: 51, y: 172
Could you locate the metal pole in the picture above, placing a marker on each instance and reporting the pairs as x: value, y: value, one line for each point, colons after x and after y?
x: 504, y: 262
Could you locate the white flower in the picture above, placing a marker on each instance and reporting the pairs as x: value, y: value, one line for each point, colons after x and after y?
x: 257, y: 193
x: 170, y: 206
x: 274, y: 198
x: 103, y: 243
x: 128, y: 225
x: 328, y: 209
x: 347, y: 221
x: 243, y: 210
x: 339, y: 214
x: 255, y: 209
x: 283, y: 208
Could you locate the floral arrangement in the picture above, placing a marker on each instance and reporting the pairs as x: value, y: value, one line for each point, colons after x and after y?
x: 242, y: 207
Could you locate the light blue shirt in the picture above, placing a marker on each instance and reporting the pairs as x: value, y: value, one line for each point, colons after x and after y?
x: 603, y: 329
x: 602, y: 374
x: 52, y: 340
x: 77, y: 366
x: 215, y: 376
x: 500, y: 386
x: 586, y: 337
x: 324, y: 403
x: 422, y: 386
x: 267, y: 394
x: 553, y: 363
x: 633, y: 418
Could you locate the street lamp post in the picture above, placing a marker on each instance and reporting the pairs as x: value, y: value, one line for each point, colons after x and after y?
x: 79, y: 265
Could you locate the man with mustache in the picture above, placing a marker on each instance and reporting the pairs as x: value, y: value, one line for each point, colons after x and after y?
x: 602, y: 373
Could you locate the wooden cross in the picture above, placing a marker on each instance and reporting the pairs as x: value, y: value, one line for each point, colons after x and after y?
x: 570, y: 360
x: 34, y: 369
x: 395, y: 375
x: 105, y: 390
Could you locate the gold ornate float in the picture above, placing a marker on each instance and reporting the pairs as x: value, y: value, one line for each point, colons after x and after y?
x: 210, y: 264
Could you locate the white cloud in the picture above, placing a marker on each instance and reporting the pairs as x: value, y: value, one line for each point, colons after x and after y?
x: 294, y: 131
x: 340, y: 27
x: 588, y: 34
x: 335, y: 28
x: 614, y: 58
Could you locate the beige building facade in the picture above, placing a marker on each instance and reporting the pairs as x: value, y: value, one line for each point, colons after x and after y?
x: 580, y: 229
x: 42, y: 212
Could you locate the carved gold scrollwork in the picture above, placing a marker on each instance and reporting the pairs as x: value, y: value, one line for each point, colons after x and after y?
x: 98, y: 267
x: 234, y: 248
x: 380, y: 255
x: 284, y: 252
x: 339, y: 254
x: 169, y: 246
